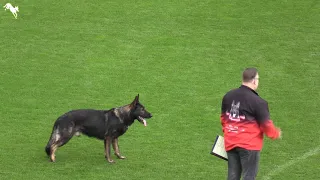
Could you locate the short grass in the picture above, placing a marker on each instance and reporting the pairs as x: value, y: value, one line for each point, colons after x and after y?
x: 181, y: 57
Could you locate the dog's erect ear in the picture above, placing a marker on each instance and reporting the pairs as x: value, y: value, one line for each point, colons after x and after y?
x: 135, y: 101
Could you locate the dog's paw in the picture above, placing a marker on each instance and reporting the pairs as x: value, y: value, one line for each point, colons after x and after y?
x: 111, y: 161
x: 119, y: 156
x: 52, y: 158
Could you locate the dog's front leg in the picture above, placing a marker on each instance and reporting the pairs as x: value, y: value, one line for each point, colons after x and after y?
x: 115, y: 146
x: 107, y: 142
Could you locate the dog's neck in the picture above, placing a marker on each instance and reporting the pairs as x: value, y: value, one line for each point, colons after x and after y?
x: 124, y: 114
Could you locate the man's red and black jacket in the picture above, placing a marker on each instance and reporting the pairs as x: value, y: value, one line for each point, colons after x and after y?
x: 245, y: 119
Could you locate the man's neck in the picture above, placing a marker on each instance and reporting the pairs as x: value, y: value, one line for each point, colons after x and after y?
x: 249, y: 85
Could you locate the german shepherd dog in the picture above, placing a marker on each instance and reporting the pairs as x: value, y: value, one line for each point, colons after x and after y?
x: 106, y: 125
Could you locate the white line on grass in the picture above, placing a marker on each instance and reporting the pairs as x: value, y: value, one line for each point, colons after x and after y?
x: 282, y: 167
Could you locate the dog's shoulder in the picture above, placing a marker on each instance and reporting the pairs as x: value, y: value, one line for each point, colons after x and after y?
x: 114, y: 116
x: 108, y: 111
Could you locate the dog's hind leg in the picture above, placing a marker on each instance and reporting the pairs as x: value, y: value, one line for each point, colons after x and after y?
x: 57, y: 144
x: 107, y: 143
x: 53, y: 150
x: 53, y: 143
x: 58, y: 138
x: 115, y: 146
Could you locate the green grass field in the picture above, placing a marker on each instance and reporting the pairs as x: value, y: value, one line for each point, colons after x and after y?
x: 181, y: 57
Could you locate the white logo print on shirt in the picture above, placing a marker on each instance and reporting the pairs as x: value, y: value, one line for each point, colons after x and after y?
x: 234, y: 114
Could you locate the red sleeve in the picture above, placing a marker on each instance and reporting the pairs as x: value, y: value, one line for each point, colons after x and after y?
x: 222, y: 121
x: 270, y: 130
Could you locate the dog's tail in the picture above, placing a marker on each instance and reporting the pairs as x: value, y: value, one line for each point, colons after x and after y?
x: 54, y: 138
x: 48, y: 149
x: 50, y: 143
x: 61, y: 133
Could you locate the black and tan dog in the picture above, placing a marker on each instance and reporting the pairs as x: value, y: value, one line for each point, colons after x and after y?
x: 106, y: 125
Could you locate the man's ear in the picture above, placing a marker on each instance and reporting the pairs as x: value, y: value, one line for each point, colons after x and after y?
x: 255, y: 81
x: 135, y: 101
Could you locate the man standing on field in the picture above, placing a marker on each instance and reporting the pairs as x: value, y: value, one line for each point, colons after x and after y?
x: 245, y: 119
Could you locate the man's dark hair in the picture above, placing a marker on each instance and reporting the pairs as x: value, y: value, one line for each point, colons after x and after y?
x: 249, y: 74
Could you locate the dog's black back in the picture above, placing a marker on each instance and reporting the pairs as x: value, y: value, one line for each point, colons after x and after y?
x: 100, y: 124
